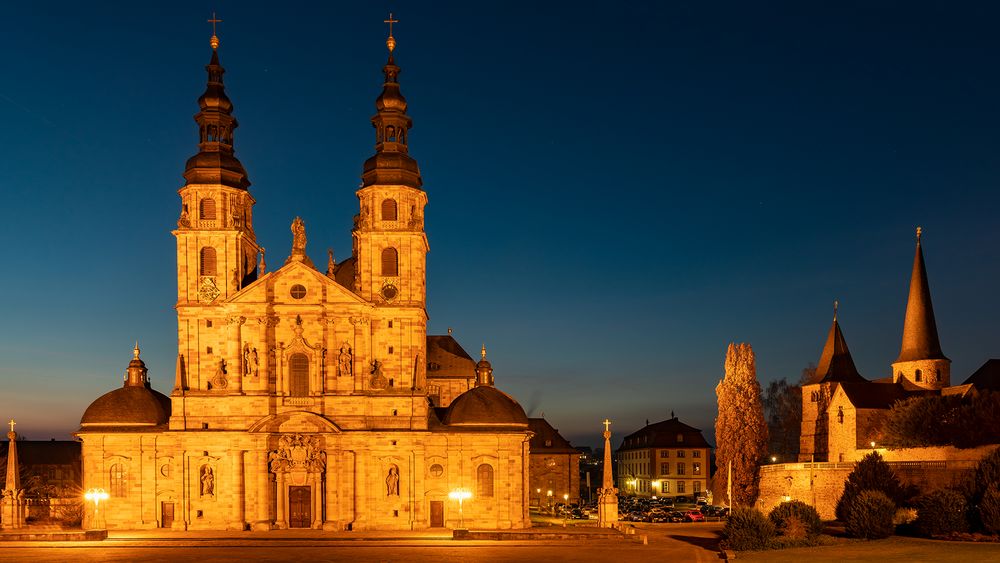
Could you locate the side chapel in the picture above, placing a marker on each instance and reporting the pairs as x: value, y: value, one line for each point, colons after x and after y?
x: 304, y: 398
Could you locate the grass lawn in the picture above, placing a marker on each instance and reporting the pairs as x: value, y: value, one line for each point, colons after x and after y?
x: 896, y: 548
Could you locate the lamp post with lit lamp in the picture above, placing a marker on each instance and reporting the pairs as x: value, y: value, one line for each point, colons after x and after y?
x: 460, y: 495
x: 96, y: 496
x: 549, y: 495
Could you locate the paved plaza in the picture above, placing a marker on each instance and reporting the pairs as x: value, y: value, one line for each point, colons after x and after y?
x: 685, y: 542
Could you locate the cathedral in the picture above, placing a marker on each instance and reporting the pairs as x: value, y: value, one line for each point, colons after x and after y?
x: 306, y: 398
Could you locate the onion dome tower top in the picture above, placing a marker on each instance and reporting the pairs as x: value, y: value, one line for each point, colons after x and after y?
x: 391, y: 164
x: 484, y: 370
x: 215, y: 162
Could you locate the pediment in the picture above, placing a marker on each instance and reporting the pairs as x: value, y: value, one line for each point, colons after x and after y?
x: 310, y: 288
x: 294, y: 422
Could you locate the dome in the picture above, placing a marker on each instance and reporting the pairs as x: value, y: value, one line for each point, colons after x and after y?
x: 128, y: 406
x: 215, y: 98
x: 391, y: 99
x: 485, y: 406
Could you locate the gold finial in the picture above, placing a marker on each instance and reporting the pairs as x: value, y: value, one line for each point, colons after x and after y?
x: 135, y: 351
x: 836, y: 304
x: 607, y: 425
x: 919, y: 232
x: 391, y: 41
x: 483, y: 351
x: 214, y: 41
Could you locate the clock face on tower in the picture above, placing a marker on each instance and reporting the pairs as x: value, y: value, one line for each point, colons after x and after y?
x: 389, y: 291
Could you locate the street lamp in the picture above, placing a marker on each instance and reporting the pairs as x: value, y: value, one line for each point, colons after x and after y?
x: 774, y: 459
x: 460, y: 495
x: 96, y: 496
x: 549, y: 494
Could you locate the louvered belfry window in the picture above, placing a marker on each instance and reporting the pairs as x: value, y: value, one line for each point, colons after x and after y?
x: 298, y: 375
x: 208, y: 267
x: 206, y: 208
x: 389, y: 210
x: 390, y: 262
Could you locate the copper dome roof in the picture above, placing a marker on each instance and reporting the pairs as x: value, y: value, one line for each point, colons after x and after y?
x: 128, y: 406
x: 485, y: 406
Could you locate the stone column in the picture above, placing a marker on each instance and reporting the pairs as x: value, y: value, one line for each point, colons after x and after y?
x: 317, y: 487
x: 281, y: 520
x: 607, y: 504
x: 332, y: 492
x: 12, y: 501
x: 238, y: 521
x: 236, y: 351
x: 263, y: 515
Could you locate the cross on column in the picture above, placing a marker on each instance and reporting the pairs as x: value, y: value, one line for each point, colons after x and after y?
x: 607, y: 425
x: 12, y: 424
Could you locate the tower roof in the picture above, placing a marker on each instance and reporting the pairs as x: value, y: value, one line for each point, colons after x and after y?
x: 836, y: 363
x: 391, y: 164
x: 920, y: 336
x: 216, y: 162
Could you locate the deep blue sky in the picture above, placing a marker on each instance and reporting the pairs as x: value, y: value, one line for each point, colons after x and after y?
x: 616, y: 192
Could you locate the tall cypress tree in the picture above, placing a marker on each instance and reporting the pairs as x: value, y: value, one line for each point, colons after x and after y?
x: 740, y: 429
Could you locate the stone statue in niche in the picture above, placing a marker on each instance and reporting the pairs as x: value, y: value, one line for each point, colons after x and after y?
x: 392, y: 481
x: 345, y: 361
x: 377, y: 381
x: 415, y: 217
x: 219, y: 381
x: 250, y: 361
x: 207, y: 481
x: 184, y: 220
x: 236, y: 279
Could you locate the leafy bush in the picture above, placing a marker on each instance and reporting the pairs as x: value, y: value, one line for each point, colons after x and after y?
x: 904, y: 516
x: 787, y: 515
x: 872, y: 473
x: 748, y: 529
x: 870, y: 516
x: 964, y: 422
x: 941, y: 512
x: 989, y: 510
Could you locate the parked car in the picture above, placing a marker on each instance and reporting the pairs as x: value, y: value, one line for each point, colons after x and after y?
x: 676, y: 516
x: 694, y: 516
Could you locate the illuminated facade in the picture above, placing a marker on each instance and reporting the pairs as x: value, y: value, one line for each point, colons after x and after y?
x: 664, y: 459
x: 304, y: 398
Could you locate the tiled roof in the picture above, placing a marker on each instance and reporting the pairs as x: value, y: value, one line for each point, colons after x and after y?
x: 446, y: 357
x: 546, y: 434
x: 664, y: 435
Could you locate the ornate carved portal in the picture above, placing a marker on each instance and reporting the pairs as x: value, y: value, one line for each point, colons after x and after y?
x: 298, y: 464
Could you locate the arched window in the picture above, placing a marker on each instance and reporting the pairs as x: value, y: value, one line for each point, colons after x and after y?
x: 390, y: 262
x: 206, y: 208
x: 389, y: 210
x: 916, y: 375
x: 207, y: 261
x: 484, y: 480
x: 840, y: 415
x: 118, y: 480
x: 298, y: 375
x: 937, y: 375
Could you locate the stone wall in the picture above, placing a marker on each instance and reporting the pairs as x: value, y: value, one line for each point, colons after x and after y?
x: 821, y: 484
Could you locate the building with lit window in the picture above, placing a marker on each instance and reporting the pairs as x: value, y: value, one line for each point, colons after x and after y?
x: 307, y: 397
x: 664, y: 459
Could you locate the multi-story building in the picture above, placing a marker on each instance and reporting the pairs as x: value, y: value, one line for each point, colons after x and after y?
x: 664, y: 459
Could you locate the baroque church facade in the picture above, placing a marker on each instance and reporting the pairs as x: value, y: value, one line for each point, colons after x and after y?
x: 306, y: 398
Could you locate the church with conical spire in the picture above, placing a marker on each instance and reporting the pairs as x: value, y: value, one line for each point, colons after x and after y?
x: 307, y: 398
x: 842, y: 411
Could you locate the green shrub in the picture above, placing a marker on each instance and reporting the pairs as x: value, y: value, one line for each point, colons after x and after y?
x: 872, y: 473
x: 989, y: 510
x: 804, y: 514
x: 748, y: 529
x: 870, y: 516
x: 940, y: 512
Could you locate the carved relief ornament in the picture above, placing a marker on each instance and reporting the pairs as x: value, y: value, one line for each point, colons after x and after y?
x: 297, y: 453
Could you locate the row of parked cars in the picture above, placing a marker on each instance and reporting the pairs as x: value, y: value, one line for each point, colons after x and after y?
x: 679, y: 509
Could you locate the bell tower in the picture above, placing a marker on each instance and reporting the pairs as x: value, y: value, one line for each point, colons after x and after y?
x: 216, y: 246
x: 921, y: 363
x: 389, y: 240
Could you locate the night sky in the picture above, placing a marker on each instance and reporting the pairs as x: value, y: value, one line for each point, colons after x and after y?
x: 616, y: 191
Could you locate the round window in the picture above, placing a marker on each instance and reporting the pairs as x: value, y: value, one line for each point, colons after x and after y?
x: 437, y: 470
x: 298, y: 291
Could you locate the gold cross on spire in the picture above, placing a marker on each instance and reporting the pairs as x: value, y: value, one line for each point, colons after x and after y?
x: 920, y: 231
x: 835, y: 305
x: 214, y: 41
x: 391, y: 41
x: 12, y: 424
x: 607, y: 425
